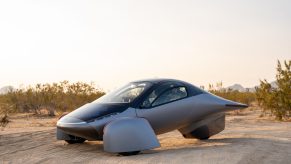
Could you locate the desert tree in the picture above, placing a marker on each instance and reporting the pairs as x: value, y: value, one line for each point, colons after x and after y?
x: 277, y: 100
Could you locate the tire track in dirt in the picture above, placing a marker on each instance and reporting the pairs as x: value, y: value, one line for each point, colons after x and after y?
x: 13, y: 143
x: 243, y: 141
x: 43, y: 144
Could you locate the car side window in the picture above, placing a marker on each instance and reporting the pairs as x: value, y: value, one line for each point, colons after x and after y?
x: 149, y: 100
x: 164, y: 95
x: 171, y: 95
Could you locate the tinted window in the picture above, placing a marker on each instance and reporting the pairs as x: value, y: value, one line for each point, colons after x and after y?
x: 170, y: 95
x: 164, y: 94
x: 125, y: 94
x: 149, y: 100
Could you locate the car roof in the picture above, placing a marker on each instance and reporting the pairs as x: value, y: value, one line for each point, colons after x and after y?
x: 158, y: 80
x: 191, y: 89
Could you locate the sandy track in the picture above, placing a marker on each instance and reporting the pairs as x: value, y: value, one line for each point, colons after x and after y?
x: 246, y: 139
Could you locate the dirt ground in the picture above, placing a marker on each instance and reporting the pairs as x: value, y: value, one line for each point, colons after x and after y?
x: 246, y: 139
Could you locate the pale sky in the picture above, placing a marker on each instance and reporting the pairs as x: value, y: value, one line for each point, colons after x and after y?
x: 112, y: 42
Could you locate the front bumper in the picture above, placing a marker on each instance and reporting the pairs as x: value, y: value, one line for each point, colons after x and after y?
x: 76, y: 127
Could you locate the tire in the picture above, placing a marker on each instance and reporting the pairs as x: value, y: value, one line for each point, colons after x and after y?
x: 129, y: 153
x: 75, y: 140
x: 205, y: 138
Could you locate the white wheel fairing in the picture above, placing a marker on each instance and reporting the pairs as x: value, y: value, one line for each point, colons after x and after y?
x: 129, y: 134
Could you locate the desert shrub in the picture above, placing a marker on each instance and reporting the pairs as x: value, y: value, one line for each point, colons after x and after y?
x: 277, y: 100
x: 4, y: 120
x: 55, y: 97
x: 234, y: 95
x: 5, y: 109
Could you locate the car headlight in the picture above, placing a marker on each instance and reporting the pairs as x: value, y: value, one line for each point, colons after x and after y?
x: 105, y: 116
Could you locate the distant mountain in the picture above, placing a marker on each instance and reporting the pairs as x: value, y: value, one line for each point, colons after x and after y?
x: 274, y: 84
x: 6, y: 89
x: 237, y: 87
x: 240, y: 88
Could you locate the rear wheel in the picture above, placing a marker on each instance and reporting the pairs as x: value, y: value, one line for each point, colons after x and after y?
x: 205, y: 138
x: 129, y: 153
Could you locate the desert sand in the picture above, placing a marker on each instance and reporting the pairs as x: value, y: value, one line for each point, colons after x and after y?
x: 246, y: 139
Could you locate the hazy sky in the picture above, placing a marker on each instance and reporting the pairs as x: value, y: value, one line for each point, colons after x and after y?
x: 113, y: 42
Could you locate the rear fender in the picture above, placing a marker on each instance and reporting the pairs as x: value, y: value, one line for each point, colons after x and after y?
x: 205, y: 128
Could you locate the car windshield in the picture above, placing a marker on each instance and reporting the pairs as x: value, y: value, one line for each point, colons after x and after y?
x: 125, y: 94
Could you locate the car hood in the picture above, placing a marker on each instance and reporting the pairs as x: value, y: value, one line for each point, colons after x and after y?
x: 92, y: 111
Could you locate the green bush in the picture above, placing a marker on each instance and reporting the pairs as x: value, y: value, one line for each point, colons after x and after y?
x: 277, y: 100
x: 55, y: 97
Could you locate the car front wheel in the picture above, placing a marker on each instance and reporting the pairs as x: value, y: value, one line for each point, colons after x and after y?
x: 129, y: 153
x: 74, y: 140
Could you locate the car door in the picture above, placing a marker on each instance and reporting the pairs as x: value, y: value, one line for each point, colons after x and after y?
x: 164, y: 107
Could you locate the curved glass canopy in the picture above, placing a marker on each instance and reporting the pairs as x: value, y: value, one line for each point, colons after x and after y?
x: 125, y: 94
